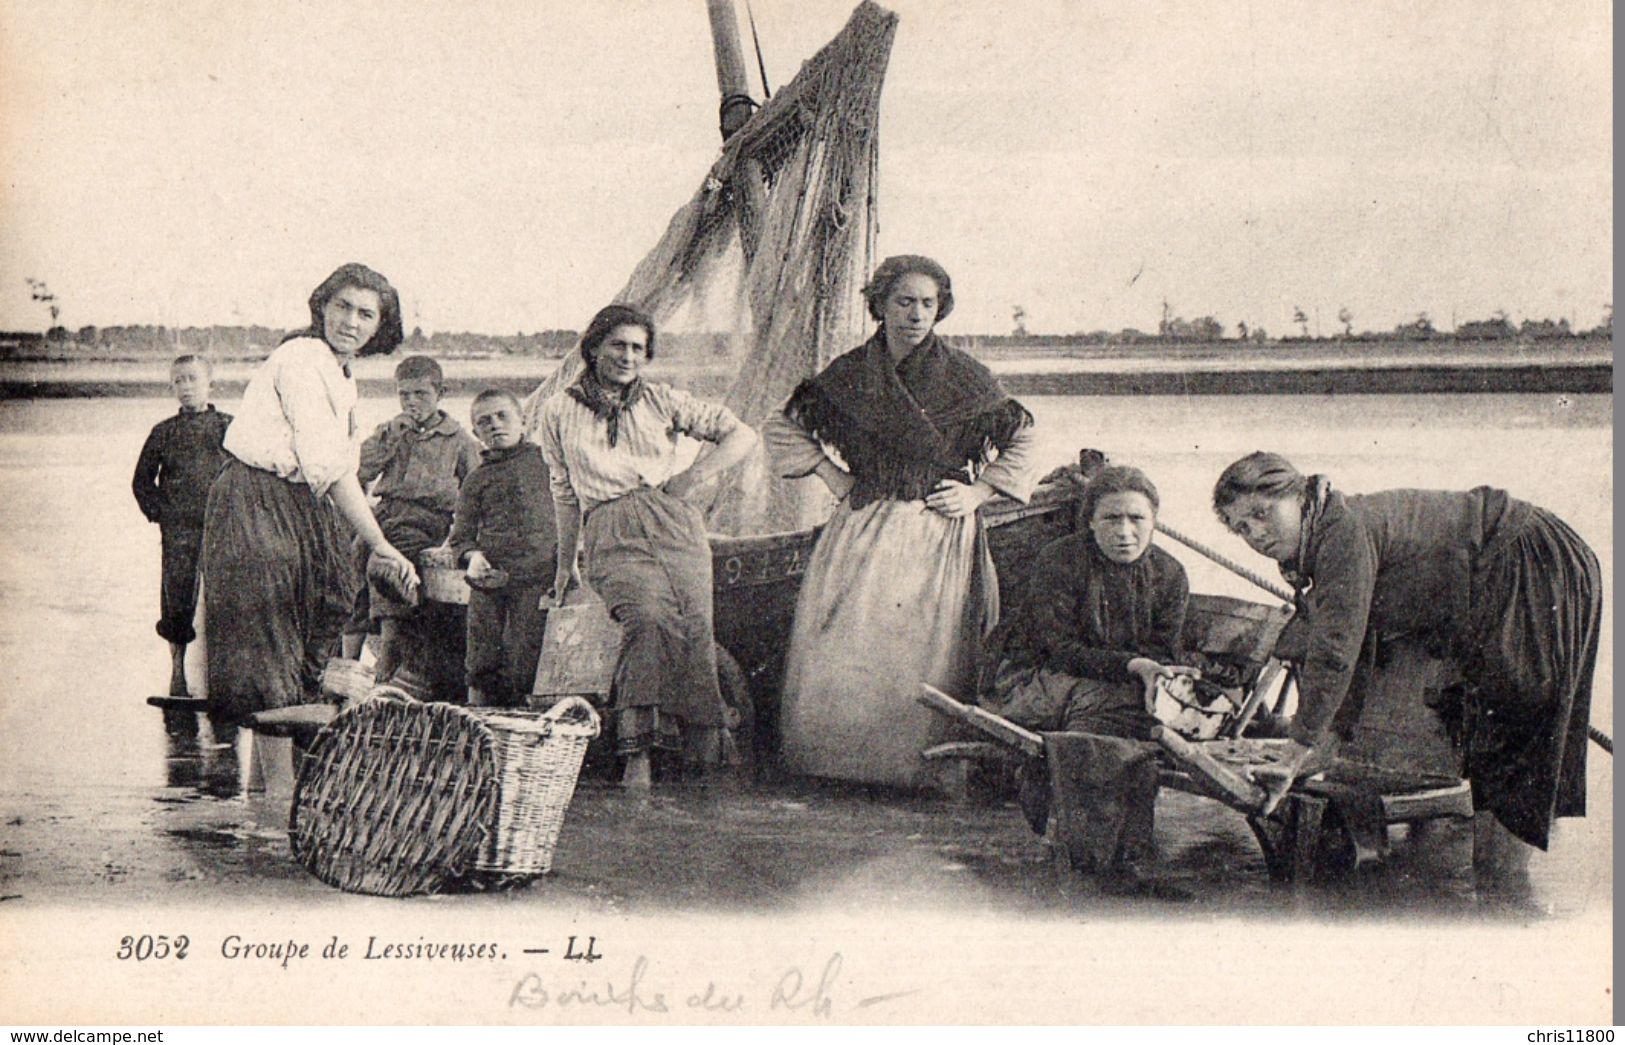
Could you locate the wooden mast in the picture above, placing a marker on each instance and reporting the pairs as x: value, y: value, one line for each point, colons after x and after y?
x: 737, y: 104
x: 735, y: 111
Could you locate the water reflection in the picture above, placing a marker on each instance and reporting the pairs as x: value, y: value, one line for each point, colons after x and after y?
x: 201, y: 755
x: 73, y: 771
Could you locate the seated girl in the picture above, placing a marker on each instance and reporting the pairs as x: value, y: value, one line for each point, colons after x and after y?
x: 1102, y: 622
x: 1104, y: 613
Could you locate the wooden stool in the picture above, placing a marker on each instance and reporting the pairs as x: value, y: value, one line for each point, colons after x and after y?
x: 1357, y: 799
x: 1295, y: 838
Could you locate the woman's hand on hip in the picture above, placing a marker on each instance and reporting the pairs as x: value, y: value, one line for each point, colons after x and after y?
x: 837, y: 479
x: 683, y: 486
x: 958, y: 500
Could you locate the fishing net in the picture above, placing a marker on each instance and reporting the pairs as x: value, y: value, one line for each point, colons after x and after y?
x: 755, y: 284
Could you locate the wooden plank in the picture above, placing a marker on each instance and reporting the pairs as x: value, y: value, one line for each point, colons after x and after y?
x: 1231, y: 786
x: 754, y: 567
x: 1000, y: 729
x: 1272, y: 670
x: 1305, y: 815
x: 1182, y: 780
x: 297, y: 720
x: 1426, y: 805
x: 581, y: 644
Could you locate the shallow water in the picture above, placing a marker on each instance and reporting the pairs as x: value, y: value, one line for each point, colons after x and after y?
x: 101, y: 804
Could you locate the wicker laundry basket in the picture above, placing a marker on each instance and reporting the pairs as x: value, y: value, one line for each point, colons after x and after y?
x: 539, y: 757
x: 399, y: 798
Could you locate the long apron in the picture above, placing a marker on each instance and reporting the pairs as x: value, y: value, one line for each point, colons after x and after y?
x: 1528, y: 654
x: 277, y: 589
x: 894, y: 595
x: 649, y: 560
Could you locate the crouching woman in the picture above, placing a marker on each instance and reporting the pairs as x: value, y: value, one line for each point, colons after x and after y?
x: 1504, y: 588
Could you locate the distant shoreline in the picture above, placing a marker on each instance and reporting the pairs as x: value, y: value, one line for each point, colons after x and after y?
x: 1432, y: 366
x: 1579, y: 378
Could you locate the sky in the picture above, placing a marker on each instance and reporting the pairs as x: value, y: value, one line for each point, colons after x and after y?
x: 507, y: 162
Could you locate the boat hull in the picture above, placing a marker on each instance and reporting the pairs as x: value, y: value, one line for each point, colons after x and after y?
x: 757, y: 578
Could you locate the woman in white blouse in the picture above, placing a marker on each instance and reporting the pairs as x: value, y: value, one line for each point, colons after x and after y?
x: 610, y: 440
x: 276, y: 575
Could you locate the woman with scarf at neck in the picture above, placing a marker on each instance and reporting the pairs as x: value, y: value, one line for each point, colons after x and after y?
x: 610, y: 440
x: 1505, y: 589
x: 277, y: 581
x: 900, y: 587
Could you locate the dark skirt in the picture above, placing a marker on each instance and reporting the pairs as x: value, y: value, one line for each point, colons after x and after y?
x: 649, y: 560
x: 277, y: 588
x: 1528, y: 654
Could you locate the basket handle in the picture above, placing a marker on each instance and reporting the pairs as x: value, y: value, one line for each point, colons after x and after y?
x: 573, y: 716
x: 393, y: 694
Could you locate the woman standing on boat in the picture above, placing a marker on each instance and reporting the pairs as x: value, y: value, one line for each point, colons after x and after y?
x: 1506, y: 589
x: 900, y: 587
x: 276, y: 576
x: 610, y: 441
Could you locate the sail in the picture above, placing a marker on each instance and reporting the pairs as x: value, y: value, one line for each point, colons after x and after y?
x: 761, y: 269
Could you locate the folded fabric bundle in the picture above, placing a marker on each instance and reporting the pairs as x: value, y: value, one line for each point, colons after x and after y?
x: 1103, y: 793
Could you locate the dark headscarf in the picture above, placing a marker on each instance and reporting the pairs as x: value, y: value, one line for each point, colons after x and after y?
x: 607, y: 403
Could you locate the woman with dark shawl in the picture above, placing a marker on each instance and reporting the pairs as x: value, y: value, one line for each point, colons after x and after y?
x: 1505, y: 589
x: 277, y: 580
x: 900, y: 588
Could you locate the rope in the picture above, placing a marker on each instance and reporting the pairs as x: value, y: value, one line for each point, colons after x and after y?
x: 761, y: 63
x: 1601, y: 739
x: 1230, y: 564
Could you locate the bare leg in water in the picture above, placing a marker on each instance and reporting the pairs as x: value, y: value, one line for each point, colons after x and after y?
x: 637, y: 776
x: 177, y: 669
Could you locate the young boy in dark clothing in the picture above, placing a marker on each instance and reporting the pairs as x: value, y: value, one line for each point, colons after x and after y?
x: 414, y: 463
x: 504, y: 529
x: 178, y: 464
